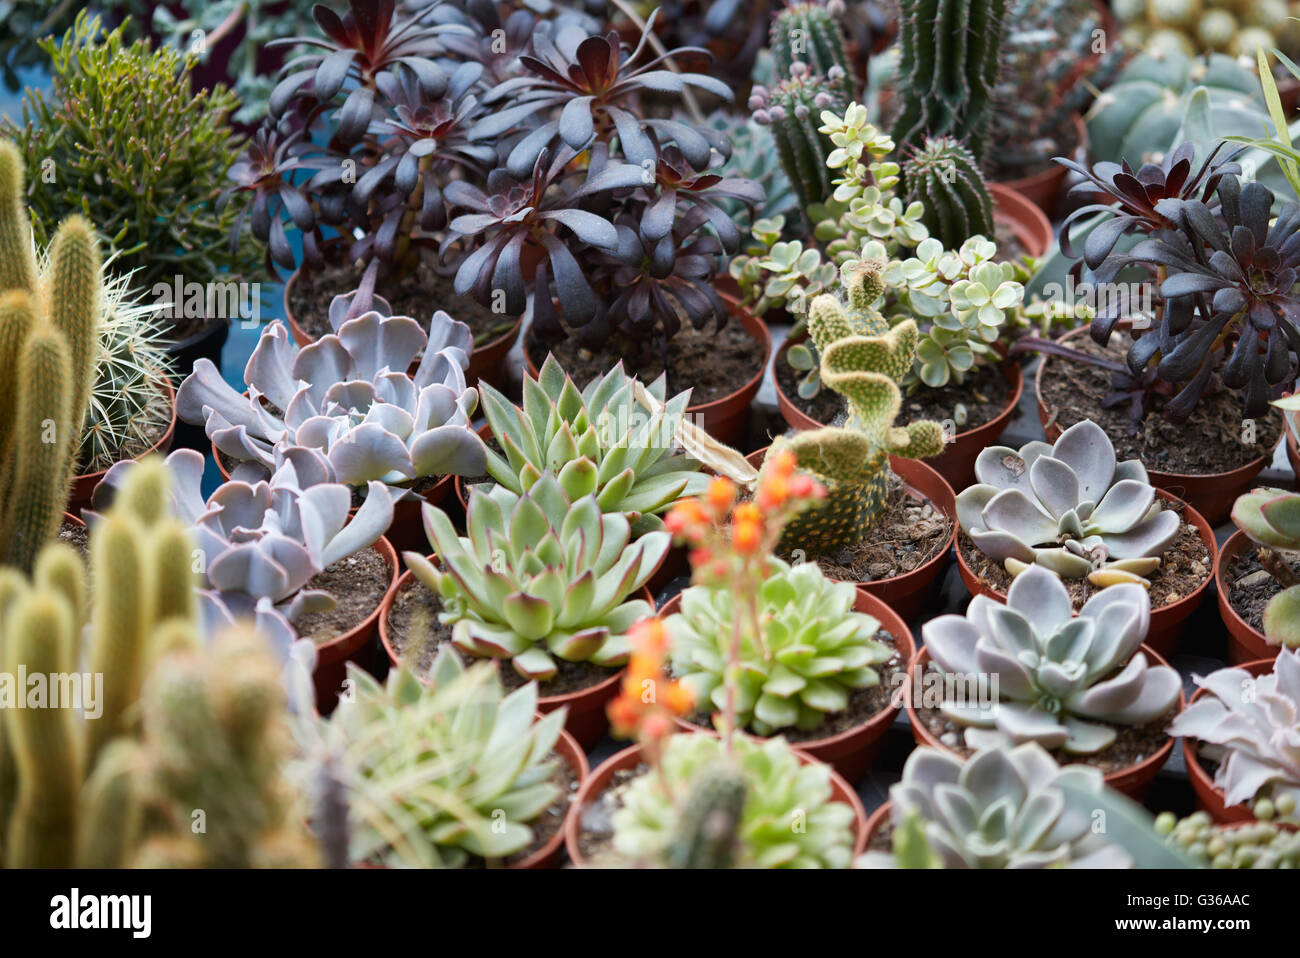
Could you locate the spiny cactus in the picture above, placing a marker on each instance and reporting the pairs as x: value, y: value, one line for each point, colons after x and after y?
x: 810, y: 32
x: 863, y: 360
x: 708, y: 829
x: 949, y: 71
x: 142, y: 604
x: 48, y: 329
x: 946, y: 179
x: 793, y: 110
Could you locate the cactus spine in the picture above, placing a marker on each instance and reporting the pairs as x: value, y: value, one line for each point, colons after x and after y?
x: 793, y: 110
x: 707, y: 834
x: 48, y: 330
x: 810, y: 32
x: 949, y: 71
x: 944, y: 176
x: 852, y: 460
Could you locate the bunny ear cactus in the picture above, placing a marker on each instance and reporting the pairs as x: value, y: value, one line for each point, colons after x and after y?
x: 1249, y: 726
x: 48, y: 337
x: 1069, y: 507
x: 1271, y: 518
x: 602, y: 433
x: 1003, y: 808
x: 852, y: 461
x: 810, y: 651
x: 541, y: 575
x: 1064, y: 682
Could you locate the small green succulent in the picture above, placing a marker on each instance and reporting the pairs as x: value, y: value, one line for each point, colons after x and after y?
x: 542, y: 574
x: 1271, y: 519
x: 809, y: 651
x: 788, y: 821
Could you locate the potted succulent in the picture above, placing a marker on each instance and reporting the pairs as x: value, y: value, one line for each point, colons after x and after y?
x: 448, y: 773
x: 544, y: 582
x: 1239, y: 844
x: 1222, y: 323
x: 151, y: 188
x: 1256, y: 577
x: 1084, y: 687
x: 377, y: 399
x: 1071, y: 508
x: 1239, y: 740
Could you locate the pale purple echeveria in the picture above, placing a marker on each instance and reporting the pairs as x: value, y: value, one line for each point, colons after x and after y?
x: 1068, y: 506
x: 1251, y: 727
x: 1003, y: 808
x: 349, y: 399
x: 1057, y: 675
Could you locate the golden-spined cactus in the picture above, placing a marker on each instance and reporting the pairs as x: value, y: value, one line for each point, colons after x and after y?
x: 863, y: 360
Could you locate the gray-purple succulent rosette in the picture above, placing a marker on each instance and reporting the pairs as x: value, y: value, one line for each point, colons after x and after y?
x: 1069, y: 506
x: 1045, y: 675
x: 347, y: 408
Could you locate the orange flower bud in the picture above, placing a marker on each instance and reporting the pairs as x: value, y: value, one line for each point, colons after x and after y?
x: 678, y: 699
x: 655, y: 726
x: 746, y: 535
x: 700, y: 557
x: 721, y: 494
x: 781, y: 464
x: 772, y: 493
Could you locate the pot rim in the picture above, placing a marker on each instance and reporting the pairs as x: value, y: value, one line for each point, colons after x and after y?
x: 1240, y: 631
x: 1030, y: 224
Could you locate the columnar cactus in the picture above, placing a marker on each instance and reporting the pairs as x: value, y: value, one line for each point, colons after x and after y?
x: 949, y: 71
x: 810, y: 32
x: 852, y: 461
x: 48, y: 339
x: 945, y: 177
x: 793, y: 110
x: 708, y: 831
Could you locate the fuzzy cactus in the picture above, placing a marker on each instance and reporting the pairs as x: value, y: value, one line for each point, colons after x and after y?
x: 810, y: 32
x: 793, y: 109
x: 48, y: 342
x: 949, y: 71
x: 945, y: 177
x: 708, y: 828
x: 863, y: 360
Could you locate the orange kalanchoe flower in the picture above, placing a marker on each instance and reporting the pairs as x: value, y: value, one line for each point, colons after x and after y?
x: 721, y: 495
x: 648, y: 699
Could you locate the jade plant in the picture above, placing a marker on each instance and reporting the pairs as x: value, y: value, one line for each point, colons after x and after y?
x: 1248, y: 726
x: 1002, y: 808
x: 541, y: 575
x: 606, y: 429
x: 49, y: 321
x: 1064, y: 682
x: 351, y: 400
x: 1069, y: 507
x: 863, y: 360
x: 1271, y: 520
x: 435, y: 774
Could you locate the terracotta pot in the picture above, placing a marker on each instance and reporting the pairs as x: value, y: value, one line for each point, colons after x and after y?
x: 1031, y: 227
x: 83, y: 486
x: 1209, y: 797
x: 724, y: 419
x: 853, y: 751
x: 1134, y: 781
x: 1043, y: 189
x: 876, y: 820
x: 586, y: 720
x: 355, y: 645
x: 1211, y: 494
x: 907, y: 594
x: 1245, y: 643
x: 1167, y: 622
x: 486, y: 362
x: 548, y: 856
x: 599, y: 780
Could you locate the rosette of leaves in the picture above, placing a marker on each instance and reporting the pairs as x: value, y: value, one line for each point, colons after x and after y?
x: 799, y: 662
x: 603, y: 429
x: 1003, y: 808
x: 1069, y: 507
x: 781, y: 792
x: 348, y: 402
x: 540, y: 576
x: 1248, y: 726
x: 1064, y: 682
x: 1271, y: 519
x: 151, y: 187
x: 439, y: 772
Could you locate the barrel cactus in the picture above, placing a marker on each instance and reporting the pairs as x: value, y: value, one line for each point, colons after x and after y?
x: 945, y: 178
x: 1064, y: 682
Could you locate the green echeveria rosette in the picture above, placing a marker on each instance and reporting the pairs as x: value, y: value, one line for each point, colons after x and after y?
x: 1271, y: 519
x: 540, y: 576
x: 810, y: 652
